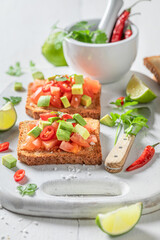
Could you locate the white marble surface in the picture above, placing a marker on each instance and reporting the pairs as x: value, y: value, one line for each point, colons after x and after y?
x: 24, y: 26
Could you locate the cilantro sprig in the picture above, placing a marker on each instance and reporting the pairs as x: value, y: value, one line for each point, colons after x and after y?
x: 29, y: 189
x: 13, y: 100
x: 81, y: 32
x: 131, y: 121
x: 15, y: 70
x: 126, y: 102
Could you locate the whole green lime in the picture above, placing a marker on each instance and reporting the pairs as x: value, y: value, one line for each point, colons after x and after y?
x: 52, y: 49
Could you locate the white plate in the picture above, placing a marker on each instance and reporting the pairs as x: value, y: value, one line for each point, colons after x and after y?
x: 75, y: 191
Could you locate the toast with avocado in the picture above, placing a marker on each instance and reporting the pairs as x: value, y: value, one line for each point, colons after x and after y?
x: 69, y: 94
x: 59, y: 138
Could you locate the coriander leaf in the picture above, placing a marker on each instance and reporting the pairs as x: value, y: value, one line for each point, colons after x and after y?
x: 15, y: 70
x: 32, y: 64
x: 28, y: 189
x: 13, y: 100
x: 114, y: 116
x: 82, y: 25
x: 117, y: 103
x: 127, y: 104
x: 55, y: 25
x: 99, y: 37
x: 61, y: 79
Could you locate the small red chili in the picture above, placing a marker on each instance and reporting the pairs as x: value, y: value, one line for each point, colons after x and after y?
x: 19, y: 175
x: 47, y: 133
x: 121, y: 98
x: 64, y: 86
x: 128, y: 32
x: 47, y: 86
x: 4, y: 146
x: 120, y: 23
x: 146, y: 156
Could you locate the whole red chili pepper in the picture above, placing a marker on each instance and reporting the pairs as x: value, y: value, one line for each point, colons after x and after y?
x: 119, y: 26
x: 120, y: 23
x: 146, y: 156
x: 128, y: 32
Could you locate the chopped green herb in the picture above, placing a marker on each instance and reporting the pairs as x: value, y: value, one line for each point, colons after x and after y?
x: 28, y: 189
x: 61, y: 79
x: 13, y: 100
x: 15, y: 70
x: 127, y: 101
x: 32, y: 64
x: 131, y: 121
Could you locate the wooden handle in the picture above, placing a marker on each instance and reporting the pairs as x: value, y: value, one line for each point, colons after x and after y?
x: 116, y: 158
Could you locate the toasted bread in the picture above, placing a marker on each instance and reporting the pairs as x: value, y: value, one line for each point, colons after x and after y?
x: 93, y: 111
x: 153, y: 64
x: 89, y: 156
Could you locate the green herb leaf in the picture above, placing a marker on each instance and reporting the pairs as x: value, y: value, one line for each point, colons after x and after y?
x: 15, y: 70
x: 28, y: 189
x: 127, y: 101
x: 61, y: 79
x: 98, y: 37
x: 13, y: 100
x: 32, y: 64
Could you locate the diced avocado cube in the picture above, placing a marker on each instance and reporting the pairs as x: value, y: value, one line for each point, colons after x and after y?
x: 63, y: 135
x: 86, y: 100
x: 79, y: 119
x: 51, y: 78
x: 43, y: 124
x: 66, y: 126
x: 78, y: 79
x: 77, y: 89
x: 18, y: 86
x: 107, y: 120
x: 65, y: 102
x: 9, y: 161
x: 82, y: 131
x: 44, y: 101
x: 53, y: 119
x: 35, y: 132
x: 38, y: 75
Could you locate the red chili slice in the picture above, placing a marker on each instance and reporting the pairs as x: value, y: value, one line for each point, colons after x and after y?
x: 4, y: 146
x: 45, y: 116
x: 66, y: 116
x: 46, y: 87
x: 47, y: 133
x: 19, y: 175
x: 64, y: 86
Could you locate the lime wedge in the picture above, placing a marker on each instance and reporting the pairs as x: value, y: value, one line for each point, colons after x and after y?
x: 8, y: 116
x: 120, y: 221
x: 138, y: 91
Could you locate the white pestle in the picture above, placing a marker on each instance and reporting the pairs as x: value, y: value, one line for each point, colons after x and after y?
x: 109, y: 18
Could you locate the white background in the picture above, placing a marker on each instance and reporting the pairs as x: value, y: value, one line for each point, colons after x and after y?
x: 24, y: 26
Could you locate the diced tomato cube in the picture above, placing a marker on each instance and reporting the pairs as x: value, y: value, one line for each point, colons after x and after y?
x: 38, y: 143
x: 36, y: 84
x: 77, y: 138
x: 68, y: 95
x: 56, y: 102
x: 28, y: 144
x: 76, y: 99
x: 90, y: 128
x: 45, y: 116
x: 55, y: 91
x: 36, y: 95
x: 92, y: 138
x: 50, y: 144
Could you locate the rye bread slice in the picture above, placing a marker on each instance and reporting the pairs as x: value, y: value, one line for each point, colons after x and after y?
x: 89, y: 156
x: 93, y: 111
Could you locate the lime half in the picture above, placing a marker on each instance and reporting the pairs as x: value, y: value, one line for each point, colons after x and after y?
x: 120, y: 221
x: 8, y: 116
x: 138, y: 91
